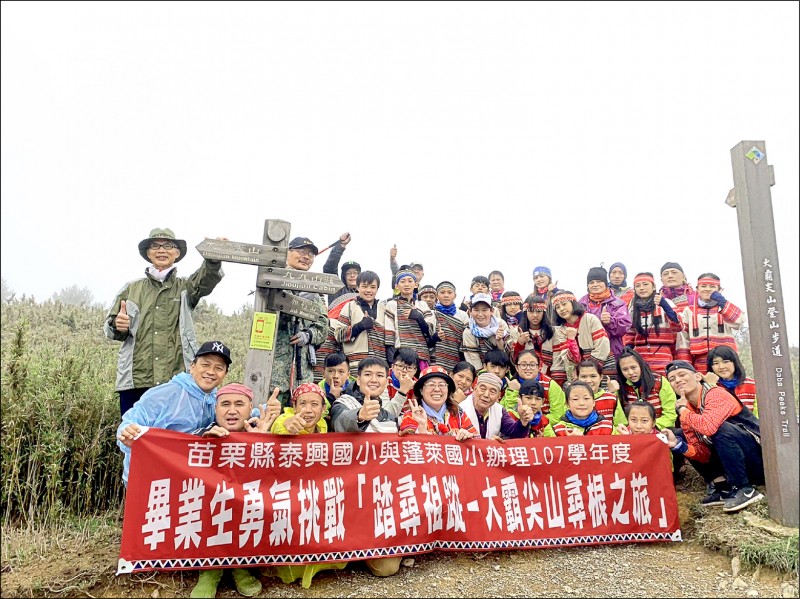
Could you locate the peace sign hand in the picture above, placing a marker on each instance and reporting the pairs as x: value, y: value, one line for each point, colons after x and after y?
x: 418, y: 413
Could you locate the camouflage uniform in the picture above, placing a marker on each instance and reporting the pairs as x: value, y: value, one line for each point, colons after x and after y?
x: 285, y: 352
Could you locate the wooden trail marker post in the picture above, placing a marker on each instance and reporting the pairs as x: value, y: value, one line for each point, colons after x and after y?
x: 769, y: 341
x: 274, y: 287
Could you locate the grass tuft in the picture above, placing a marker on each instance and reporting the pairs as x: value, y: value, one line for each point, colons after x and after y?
x: 780, y: 554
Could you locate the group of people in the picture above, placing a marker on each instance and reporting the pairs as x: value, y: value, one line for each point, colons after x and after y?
x: 619, y: 360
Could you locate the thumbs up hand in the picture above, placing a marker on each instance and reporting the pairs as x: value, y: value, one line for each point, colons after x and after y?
x: 369, y: 410
x: 122, y: 322
x: 605, y: 317
x: 393, y: 252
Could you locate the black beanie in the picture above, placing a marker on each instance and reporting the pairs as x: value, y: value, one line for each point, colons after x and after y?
x: 671, y: 265
x: 597, y: 273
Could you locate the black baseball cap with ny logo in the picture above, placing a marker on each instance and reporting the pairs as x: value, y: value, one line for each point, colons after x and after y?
x: 215, y: 347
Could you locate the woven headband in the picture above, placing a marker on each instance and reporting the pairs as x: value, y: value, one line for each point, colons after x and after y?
x: 707, y: 281
x: 564, y: 297
x: 643, y: 278
x: 511, y: 299
x: 535, y: 307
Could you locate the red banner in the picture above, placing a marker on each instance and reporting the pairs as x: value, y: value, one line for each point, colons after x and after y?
x: 250, y: 499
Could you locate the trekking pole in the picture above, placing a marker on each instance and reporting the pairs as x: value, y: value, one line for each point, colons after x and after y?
x: 323, y: 250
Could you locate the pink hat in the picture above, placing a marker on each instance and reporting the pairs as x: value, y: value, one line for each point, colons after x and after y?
x: 236, y: 388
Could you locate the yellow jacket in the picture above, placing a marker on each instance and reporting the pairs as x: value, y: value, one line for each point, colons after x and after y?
x: 279, y: 429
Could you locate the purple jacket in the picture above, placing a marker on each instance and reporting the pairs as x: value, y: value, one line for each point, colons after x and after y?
x: 620, y: 319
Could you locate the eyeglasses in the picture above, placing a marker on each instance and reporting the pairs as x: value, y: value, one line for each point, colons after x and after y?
x: 437, y: 385
x: 527, y: 365
x: 166, y: 246
x: 404, y: 367
x: 304, y: 252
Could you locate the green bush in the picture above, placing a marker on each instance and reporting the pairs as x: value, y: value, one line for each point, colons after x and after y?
x: 60, y: 412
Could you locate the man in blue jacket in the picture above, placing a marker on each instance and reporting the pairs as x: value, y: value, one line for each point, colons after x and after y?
x: 183, y: 404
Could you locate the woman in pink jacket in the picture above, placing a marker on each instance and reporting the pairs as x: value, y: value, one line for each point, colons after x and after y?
x: 611, y: 310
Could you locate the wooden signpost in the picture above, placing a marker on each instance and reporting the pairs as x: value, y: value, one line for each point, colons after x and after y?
x: 769, y: 340
x: 275, y: 293
x: 242, y: 253
x: 298, y: 280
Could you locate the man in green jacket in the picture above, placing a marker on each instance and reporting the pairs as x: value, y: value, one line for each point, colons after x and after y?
x: 296, y: 339
x: 152, y: 317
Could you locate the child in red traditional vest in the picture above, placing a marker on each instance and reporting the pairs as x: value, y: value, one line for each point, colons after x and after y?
x: 637, y: 381
x: 708, y: 323
x: 605, y: 401
x: 655, y: 324
x: 725, y: 364
x: 581, y: 417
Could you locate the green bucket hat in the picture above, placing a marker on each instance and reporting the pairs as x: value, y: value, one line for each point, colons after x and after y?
x: 144, y: 244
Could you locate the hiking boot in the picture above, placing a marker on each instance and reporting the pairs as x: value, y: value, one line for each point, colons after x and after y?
x: 716, y: 494
x: 247, y: 584
x: 206, y: 587
x: 741, y: 499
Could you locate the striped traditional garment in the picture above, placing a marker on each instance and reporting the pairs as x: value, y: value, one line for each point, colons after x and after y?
x: 357, y: 349
x: 624, y: 293
x: 406, y: 332
x: 592, y: 342
x: 746, y: 393
x: 704, y: 329
x: 329, y: 346
x: 654, y: 399
x: 605, y: 403
x: 682, y: 301
x: 657, y: 349
x: 603, y: 427
x: 545, y: 351
x: 485, y: 344
x: 451, y: 332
